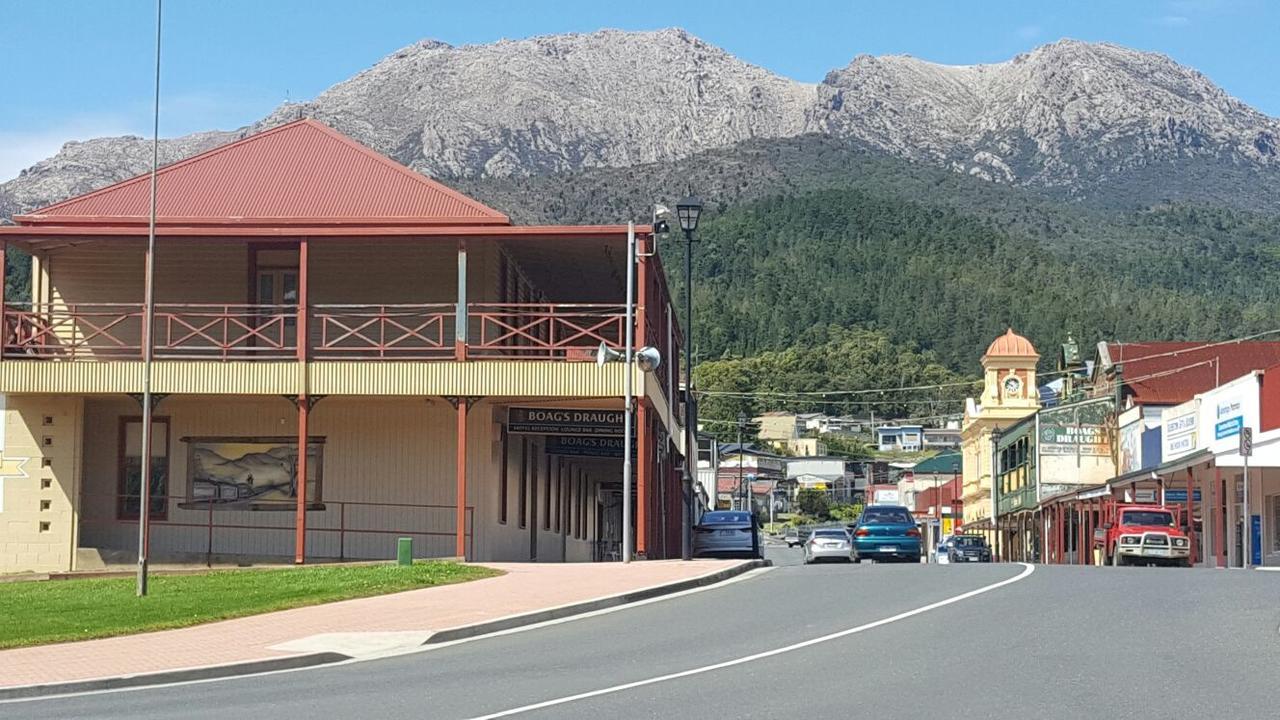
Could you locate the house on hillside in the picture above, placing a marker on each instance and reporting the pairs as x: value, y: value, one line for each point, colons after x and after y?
x: 844, y: 480
x: 900, y: 438
x: 745, y: 468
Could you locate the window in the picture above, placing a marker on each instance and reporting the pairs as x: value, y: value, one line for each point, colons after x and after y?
x: 277, y: 291
x: 502, y: 477
x: 130, y: 468
x: 522, y: 501
x: 559, y: 492
x: 582, y: 506
x: 1275, y: 523
x: 571, y: 505
x: 1147, y: 517
x: 546, y: 496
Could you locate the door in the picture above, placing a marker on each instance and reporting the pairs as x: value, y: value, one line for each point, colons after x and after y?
x: 277, y: 298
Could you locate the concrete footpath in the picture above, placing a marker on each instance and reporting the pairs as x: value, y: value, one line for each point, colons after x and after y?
x: 528, y: 593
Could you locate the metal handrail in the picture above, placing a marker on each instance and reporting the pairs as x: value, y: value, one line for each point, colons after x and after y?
x: 209, y: 510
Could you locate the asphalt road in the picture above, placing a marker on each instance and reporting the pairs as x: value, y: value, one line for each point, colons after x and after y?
x: 1061, y: 642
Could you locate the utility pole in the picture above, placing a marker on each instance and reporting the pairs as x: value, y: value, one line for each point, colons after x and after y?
x: 742, y: 421
x: 1246, y: 450
x: 995, y: 490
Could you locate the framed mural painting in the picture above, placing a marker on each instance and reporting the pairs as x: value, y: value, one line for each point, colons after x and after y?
x: 258, y: 472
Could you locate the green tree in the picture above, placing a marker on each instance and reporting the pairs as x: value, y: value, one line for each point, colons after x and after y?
x: 814, y: 503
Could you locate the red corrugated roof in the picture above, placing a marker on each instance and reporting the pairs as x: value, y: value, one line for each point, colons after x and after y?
x: 1169, y: 373
x: 303, y: 173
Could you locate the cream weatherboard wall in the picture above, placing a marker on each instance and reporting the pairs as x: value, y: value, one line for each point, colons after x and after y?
x: 376, y: 450
x: 40, y: 453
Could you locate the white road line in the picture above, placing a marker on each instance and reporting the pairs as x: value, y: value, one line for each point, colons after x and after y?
x: 413, y: 651
x: 1027, y: 570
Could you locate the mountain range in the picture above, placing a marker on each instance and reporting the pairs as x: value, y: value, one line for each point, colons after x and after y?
x: 1090, y: 122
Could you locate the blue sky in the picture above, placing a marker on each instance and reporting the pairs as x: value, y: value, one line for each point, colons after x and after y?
x: 74, y: 69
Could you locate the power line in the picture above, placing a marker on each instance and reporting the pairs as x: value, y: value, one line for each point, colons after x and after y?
x: 1196, y: 348
x: 806, y: 394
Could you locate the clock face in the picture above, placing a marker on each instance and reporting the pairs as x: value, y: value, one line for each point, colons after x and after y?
x: 1012, y: 386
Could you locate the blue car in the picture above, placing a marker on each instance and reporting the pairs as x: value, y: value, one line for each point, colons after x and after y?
x: 727, y: 533
x: 886, y: 533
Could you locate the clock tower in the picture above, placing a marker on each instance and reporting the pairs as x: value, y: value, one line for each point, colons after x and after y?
x: 1009, y: 394
x: 1009, y: 374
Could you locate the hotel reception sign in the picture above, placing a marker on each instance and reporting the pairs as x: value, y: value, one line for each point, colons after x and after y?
x: 581, y: 422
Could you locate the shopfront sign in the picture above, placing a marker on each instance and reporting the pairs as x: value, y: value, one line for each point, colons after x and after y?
x: 1181, y: 429
x: 1230, y: 418
x: 1079, y: 429
x: 564, y: 421
x: 579, y: 446
x: 1229, y: 409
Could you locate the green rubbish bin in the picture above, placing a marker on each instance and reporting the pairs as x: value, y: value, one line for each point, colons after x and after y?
x: 404, y: 551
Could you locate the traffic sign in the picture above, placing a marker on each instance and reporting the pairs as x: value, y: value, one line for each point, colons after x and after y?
x: 1246, y: 442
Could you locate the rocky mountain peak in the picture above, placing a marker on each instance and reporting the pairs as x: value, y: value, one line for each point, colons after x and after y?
x: 1055, y: 116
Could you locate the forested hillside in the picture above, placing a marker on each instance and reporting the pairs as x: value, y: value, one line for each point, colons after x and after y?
x: 851, y: 361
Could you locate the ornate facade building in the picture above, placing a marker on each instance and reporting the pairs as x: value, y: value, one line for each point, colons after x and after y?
x: 1009, y: 394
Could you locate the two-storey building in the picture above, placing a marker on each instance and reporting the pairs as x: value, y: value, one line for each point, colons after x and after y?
x: 432, y: 360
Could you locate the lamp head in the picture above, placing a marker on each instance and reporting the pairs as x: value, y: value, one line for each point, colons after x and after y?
x: 687, y: 211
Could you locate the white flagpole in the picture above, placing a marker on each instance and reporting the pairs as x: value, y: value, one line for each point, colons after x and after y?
x: 627, y: 430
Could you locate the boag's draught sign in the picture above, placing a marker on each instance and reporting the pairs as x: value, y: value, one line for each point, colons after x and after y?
x: 584, y: 422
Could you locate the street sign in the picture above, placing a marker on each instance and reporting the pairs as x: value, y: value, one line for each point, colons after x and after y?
x: 1246, y: 442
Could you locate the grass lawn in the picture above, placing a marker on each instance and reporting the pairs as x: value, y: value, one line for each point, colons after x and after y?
x: 35, y: 613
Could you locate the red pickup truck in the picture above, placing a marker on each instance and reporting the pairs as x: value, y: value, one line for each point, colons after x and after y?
x: 1143, y: 534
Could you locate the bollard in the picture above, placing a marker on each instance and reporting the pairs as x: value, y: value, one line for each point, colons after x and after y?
x: 404, y: 551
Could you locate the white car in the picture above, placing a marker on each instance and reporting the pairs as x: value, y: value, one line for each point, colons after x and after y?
x: 828, y: 544
x: 942, y: 556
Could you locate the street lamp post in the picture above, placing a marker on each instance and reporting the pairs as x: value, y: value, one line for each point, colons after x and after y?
x: 688, y: 211
x: 995, y: 490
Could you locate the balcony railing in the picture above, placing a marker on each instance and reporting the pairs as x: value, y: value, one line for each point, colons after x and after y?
x: 407, y: 332
x: 335, y: 332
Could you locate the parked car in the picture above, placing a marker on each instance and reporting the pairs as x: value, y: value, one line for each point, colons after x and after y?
x: 791, y: 536
x: 886, y: 533
x: 1143, y: 534
x: 727, y: 533
x: 966, y: 548
x: 940, y: 555
x: 831, y: 543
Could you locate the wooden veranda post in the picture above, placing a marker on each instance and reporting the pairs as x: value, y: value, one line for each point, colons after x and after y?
x: 462, y: 405
x: 300, y: 483
x: 302, y: 340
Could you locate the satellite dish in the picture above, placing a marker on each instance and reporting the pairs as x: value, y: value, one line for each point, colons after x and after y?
x: 648, y: 358
x: 605, y: 355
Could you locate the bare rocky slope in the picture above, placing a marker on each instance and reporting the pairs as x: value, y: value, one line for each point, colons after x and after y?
x: 1073, y: 118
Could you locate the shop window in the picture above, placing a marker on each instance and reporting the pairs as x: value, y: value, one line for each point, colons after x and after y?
x: 502, y: 476
x: 1275, y: 523
x: 129, y: 484
x: 546, y: 496
x: 522, y: 500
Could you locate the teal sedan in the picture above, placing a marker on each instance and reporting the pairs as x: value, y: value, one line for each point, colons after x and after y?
x: 886, y: 533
